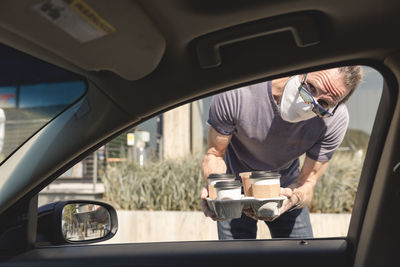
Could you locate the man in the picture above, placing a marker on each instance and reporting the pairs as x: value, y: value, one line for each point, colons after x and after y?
x: 267, y: 126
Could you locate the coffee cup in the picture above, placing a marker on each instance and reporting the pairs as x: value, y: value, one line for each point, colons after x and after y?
x: 245, y: 176
x: 231, y: 190
x: 217, y: 177
x: 265, y: 184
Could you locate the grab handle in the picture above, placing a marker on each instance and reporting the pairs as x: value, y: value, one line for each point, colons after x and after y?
x: 301, y: 26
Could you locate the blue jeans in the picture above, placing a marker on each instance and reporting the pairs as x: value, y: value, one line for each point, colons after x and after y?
x: 293, y: 224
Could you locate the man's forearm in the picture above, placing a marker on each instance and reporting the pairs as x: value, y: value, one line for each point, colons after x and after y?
x: 212, y: 164
x: 303, y: 188
x: 213, y: 161
x: 304, y: 191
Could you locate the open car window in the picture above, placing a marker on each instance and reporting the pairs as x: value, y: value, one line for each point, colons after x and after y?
x: 152, y: 173
x: 32, y: 92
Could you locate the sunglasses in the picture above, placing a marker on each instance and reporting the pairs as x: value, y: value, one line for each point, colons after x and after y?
x: 308, y: 98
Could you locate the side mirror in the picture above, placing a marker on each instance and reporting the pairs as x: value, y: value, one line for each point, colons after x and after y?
x: 76, y: 222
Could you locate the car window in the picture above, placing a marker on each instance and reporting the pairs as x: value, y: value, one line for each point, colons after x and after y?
x: 32, y: 92
x: 152, y: 173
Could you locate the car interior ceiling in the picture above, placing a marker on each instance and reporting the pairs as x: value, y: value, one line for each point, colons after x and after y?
x: 165, y: 69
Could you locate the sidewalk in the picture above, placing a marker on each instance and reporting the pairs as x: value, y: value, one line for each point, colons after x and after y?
x: 161, y: 226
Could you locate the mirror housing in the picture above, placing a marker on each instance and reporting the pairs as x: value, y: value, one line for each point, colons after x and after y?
x: 54, y: 224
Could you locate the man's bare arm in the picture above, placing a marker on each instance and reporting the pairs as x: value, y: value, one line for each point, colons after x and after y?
x: 311, y: 172
x: 213, y: 161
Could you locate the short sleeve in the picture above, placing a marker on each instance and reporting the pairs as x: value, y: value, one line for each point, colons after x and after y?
x: 332, y: 137
x: 223, y: 112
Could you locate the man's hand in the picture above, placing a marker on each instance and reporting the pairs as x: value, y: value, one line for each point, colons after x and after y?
x: 289, y: 202
x: 286, y: 205
x: 207, y: 211
x: 301, y: 191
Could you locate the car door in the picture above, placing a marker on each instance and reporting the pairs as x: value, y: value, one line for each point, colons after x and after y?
x: 193, y: 66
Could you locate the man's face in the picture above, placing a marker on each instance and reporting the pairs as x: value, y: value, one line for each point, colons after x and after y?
x: 327, y: 87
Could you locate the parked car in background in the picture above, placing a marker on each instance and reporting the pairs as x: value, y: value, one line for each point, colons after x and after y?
x: 82, y: 72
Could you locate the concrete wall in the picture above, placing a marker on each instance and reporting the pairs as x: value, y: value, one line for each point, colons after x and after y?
x: 176, y: 137
x: 197, y: 127
x: 160, y: 226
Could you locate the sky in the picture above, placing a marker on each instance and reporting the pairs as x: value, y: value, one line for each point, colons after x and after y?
x: 363, y: 104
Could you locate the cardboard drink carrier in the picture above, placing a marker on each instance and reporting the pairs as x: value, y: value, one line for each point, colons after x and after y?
x: 261, y: 194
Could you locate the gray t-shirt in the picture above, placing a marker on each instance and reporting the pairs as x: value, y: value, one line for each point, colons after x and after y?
x: 262, y: 140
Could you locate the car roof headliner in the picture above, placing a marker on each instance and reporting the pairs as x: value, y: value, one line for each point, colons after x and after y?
x: 153, y: 49
x: 144, y: 80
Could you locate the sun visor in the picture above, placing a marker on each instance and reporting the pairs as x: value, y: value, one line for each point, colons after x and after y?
x: 93, y: 34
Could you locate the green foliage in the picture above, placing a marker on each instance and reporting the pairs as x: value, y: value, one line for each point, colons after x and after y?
x: 355, y: 140
x: 68, y: 211
x: 162, y: 185
x: 176, y: 185
x: 336, y: 190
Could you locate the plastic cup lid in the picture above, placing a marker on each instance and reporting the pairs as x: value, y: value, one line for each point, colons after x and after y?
x: 227, y: 184
x: 265, y: 175
x: 221, y: 176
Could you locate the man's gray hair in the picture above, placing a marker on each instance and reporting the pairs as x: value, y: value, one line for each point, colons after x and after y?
x: 352, y: 78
